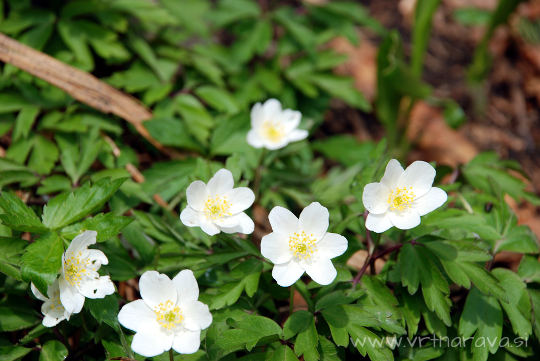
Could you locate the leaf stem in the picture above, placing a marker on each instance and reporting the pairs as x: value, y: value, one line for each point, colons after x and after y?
x: 291, y: 300
x: 171, y: 356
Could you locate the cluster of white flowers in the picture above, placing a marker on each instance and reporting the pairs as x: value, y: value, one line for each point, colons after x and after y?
x: 169, y: 314
x: 79, y: 278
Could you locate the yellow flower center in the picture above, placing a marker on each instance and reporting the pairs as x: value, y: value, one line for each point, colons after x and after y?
x: 273, y: 131
x: 401, y: 198
x: 302, y: 245
x: 55, y: 302
x: 168, y: 315
x: 217, y: 207
x: 75, y: 268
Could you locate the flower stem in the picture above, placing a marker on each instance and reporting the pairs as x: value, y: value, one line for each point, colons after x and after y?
x: 291, y: 300
x: 125, y: 345
x: 171, y: 356
x: 258, y: 174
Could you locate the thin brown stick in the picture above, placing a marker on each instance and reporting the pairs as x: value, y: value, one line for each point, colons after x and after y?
x: 80, y: 85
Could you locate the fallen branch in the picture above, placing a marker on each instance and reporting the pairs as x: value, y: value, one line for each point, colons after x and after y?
x: 80, y: 85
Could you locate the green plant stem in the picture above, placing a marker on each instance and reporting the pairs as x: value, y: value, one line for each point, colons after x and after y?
x: 258, y: 174
x: 125, y: 345
x: 171, y: 356
x: 291, y: 300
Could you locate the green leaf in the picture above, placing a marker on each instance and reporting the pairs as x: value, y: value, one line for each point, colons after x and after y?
x: 247, y: 333
x: 218, y: 98
x: 529, y: 269
x: 518, y: 307
x: 53, y: 184
x: 18, y: 216
x: 78, y: 153
x: 16, y: 318
x: 418, y: 266
x: 105, y: 310
x: 296, y: 323
x: 482, y: 316
x: 67, y: 208
x: 171, y: 132
x: 144, y: 246
x: 42, y: 260
x: 195, y: 116
x: 283, y: 353
x: 106, y: 225
x: 10, y: 251
x: 423, y: 15
x: 307, y: 341
x: 53, y: 351
x: 342, y: 88
x: 369, y: 343
x: 24, y: 121
x: 44, y: 155
x: 12, y: 353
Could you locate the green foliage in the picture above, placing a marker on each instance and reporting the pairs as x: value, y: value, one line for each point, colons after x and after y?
x: 199, y: 66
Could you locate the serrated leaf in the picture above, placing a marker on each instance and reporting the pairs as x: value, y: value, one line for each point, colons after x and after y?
x: 67, y: 208
x: 307, y: 342
x: 104, y: 310
x: 18, y: 216
x: 106, y: 225
x: 296, y: 323
x: 482, y: 316
x: 42, y: 260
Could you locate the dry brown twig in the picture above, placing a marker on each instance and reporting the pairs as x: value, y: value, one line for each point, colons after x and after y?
x: 82, y: 86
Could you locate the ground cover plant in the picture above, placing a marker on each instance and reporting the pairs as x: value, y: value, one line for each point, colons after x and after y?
x: 191, y: 201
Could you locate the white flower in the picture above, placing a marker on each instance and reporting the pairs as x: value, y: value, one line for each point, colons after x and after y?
x: 302, y: 245
x: 217, y: 206
x: 402, y: 196
x: 52, y: 308
x: 272, y: 127
x: 79, y: 277
x: 168, y: 315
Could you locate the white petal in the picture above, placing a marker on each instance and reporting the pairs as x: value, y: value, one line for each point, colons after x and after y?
x: 290, y: 119
x: 420, y: 176
x: 239, y: 223
x: 155, y: 288
x: 38, y: 294
x: 190, y: 217
x: 287, y: 273
x: 136, y: 315
x: 253, y: 138
x: 282, y: 220
x: 296, y: 135
x: 196, y: 195
x: 186, y: 286
x: 150, y: 341
x: 322, y: 271
x: 375, y: 198
x: 392, y: 173
x: 209, y: 228
x: 257, y: 115
x: 405, y: 219
x: 220, y: 183
x: 97, y: 288
x: 97, y: 257
x: 240, y: 198
x: 187, y: 342
x: 430, y: 201
x: 274, y: 145
x: 197, y: 315
x: 275, y: 247
x: 81, y: 242
x: 332, y: 245
x: 271, y: 109
x: 70, y: 297
x: 314, y: 220
x: 378, y: 223
x: 51, y: 321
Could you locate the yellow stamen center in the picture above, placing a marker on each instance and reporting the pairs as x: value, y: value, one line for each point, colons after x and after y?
x: 217, y: 207
x: 75, y: 268
x: 302, y: 245
x: 273, y: 131
x: 401, y: 198
x: 168, y: 315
